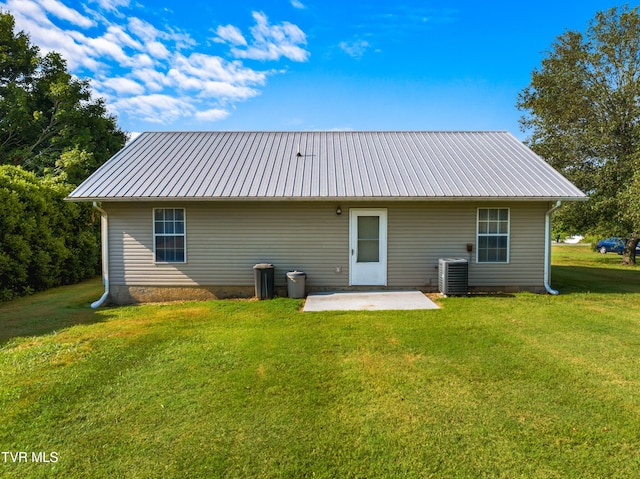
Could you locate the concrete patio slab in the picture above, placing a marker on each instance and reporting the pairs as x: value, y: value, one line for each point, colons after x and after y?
x: 368, y: 301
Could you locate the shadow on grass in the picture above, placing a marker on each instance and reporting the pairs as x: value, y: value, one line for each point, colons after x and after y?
x: 498, y: 294
x: 580, y: 279
x: 49, y: 311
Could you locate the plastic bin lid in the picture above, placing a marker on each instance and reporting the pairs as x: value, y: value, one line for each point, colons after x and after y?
x: 263, y: 266
x: 296, y: 274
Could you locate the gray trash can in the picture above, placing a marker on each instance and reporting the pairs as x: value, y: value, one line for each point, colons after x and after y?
x: 296, y: 283
x: 264, y: 280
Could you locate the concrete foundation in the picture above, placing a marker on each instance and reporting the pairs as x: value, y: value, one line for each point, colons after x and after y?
x: 126, y: 295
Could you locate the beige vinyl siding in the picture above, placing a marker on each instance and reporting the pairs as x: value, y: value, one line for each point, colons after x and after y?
x: 225, y: 239
x: 420, y: 234
x: 526, y: 255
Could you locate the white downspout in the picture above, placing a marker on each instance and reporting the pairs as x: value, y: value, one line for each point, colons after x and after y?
x: 547, y: 249
x: 104, y: 228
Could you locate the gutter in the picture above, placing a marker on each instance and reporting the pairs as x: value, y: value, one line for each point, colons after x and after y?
x: 547, y: 249
x: 104, y: 227
x: 112, y: 199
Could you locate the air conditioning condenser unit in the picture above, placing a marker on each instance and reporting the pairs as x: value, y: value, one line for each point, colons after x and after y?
x: 453, y: 276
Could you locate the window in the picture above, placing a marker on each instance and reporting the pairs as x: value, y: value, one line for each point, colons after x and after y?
x: 368, y: 239
x: 493, y: 235
x: 168, y: 235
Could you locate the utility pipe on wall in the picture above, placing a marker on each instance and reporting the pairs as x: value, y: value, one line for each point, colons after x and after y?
x: 547, y: 249
x: 104, y: 229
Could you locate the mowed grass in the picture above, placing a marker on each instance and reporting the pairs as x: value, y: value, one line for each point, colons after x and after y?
x: 487, y: 386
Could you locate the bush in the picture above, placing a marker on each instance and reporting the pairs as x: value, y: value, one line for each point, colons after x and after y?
x: 45, y: 241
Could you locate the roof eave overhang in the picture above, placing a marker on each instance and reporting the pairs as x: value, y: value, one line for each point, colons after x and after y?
x: 121, y: 199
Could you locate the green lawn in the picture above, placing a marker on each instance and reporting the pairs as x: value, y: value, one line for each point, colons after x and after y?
x: 488, y: 386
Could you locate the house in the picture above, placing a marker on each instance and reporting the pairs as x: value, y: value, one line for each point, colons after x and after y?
x: 186, y: 215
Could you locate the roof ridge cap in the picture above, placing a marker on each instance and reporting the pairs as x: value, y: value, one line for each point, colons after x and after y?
x: 322, y: 131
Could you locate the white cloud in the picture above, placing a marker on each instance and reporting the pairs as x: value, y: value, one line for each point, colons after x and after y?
x: 111, y: 5
x: 298, y: 4
x: 208, y: 67
x: 148, y: 33
x: 156, y: 73
x: 63, y: 12
x: 230, y: 34
x: 224, y: 90
x: 123, y: 86
x: 180, y: 80
x: 117, y: 34
x: 143, y: 30
x: 153, y: 80
x: 140, y: 60
x: 215, y: 114
x: 54, y: 39
x: 156, y: 108
x: 133, y: 135
x: 157, y: 50
x: 270, y: 42
x: 28, y: 9
x: 210, y: 88
x: 355, y: 49
x: 102, y: 47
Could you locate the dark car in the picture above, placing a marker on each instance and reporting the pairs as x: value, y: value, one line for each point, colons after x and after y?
x: 613, y: 245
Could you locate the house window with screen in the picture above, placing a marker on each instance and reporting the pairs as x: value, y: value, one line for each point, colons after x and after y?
x: 169, y: 235
x: 493, y: 235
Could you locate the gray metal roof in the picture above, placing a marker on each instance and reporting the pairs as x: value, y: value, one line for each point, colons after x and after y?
x: 345, y: 165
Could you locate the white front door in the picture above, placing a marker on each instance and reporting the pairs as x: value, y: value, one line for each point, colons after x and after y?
x: 368, y: 244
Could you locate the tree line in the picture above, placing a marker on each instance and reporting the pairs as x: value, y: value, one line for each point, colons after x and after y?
x: 53, y: 134
x: 582, y: 111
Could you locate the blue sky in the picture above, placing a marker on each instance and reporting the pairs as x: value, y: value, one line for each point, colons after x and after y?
x: 304, y: 64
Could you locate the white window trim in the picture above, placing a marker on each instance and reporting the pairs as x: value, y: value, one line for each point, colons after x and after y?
x: 184, y: 235
x: 508, y: 234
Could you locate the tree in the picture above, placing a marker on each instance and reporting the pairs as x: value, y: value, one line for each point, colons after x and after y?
x: 45, y: 111
x: 50, y: 125
x: 582, y: 113
x: 44, y: 240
